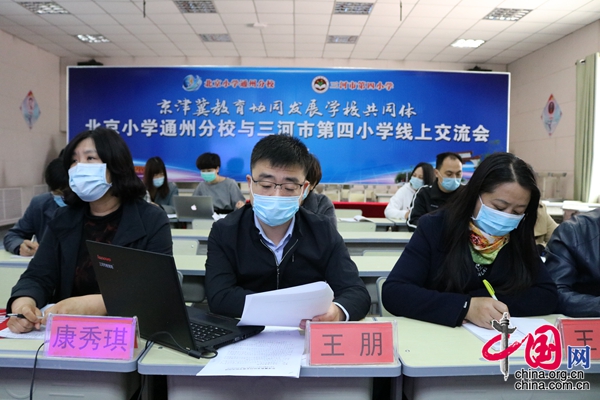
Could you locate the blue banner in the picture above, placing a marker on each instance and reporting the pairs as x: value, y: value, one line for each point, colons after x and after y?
x: 364, y: 125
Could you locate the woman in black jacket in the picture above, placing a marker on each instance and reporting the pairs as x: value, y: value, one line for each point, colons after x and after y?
x: 105, y: 204
x: 484, y: 233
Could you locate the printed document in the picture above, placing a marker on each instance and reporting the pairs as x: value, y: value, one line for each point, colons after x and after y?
x: 524, y: 327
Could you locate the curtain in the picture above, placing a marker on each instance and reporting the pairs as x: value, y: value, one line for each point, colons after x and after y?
x: 584, y: 126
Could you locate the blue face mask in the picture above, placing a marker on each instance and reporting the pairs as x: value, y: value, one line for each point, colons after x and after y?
x: 416, y: 183
x: 158, y: 182
x: 88, y: 181
x: 208, y: 176
x: 275, y: 210
x: 494, y: 222
x: 59, y: 201
x: 451, y: 184
x: 305, y: 194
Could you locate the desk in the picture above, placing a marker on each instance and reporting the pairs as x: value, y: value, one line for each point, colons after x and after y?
x: 439, y: 362
x: 356, y: 242
x: 63, y: 378
x: 11, y: 268
x: 369, y: 209
x: 347, y: 383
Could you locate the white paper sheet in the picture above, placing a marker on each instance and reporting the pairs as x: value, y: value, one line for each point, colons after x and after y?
x: 524, y: 327
x: 287, y: 307
x: 273, y: 352
x: 34, y: 334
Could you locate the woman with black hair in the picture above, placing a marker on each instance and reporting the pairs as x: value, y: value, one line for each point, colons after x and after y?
x: 160, y: 189
x: 484, y: 233
x: 398, y: 207
x: 104, y: 205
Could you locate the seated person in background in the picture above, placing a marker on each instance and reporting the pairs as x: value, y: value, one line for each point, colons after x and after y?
x: 544, y: 226
x: 225, y: 192
x: 38, y: 213
x: 484, y: 232
x: 159, y: 188
x: 273, y: 243
x: 448, y: 173
x: 105, y: 205
x: 399, y: 204
x: 316, y: 202
x: 573, y: 260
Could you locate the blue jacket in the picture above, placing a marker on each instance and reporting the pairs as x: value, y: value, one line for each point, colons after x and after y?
x: 411, y: 289
x: 34, y: 221
x: 50, y: 274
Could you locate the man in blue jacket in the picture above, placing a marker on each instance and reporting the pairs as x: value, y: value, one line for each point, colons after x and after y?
x: 273, y: 243
x: 18, y: 239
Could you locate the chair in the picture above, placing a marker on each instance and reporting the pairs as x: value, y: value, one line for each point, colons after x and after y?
x: 363, y: 226
x: 202, y: 223
x: 371, y: 284
x: 382, y: 311
x: 347, y: 213
x: 185, y: 247
x: 357, y: 197
x: 192, y: 287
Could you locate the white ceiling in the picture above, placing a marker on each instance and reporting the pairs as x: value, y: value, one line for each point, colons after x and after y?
x: 299, y: 28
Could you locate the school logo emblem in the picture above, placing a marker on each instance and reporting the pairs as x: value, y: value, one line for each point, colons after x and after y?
x: 191, y: 83
x: 320, y: 84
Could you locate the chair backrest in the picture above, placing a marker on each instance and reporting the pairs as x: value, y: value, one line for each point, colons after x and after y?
x: 347, y: 213
x: 363, y: 226
x: 186, y: 247
x: 358, y: 197
x: 382, y: 311
x: 202, y: 223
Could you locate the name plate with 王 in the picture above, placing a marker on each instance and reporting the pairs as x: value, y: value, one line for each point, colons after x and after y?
x: 87, y: 336
x: 351, y: 343
x: 580, y: 332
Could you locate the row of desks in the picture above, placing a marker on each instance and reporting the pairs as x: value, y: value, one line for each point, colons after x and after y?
x: 435, y: 362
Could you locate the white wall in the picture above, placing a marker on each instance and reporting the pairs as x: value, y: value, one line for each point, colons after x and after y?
x: 550, y: 70
x: 24, y: 153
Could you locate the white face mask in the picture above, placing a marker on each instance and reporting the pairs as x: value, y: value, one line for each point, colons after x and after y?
x: 88, y: 181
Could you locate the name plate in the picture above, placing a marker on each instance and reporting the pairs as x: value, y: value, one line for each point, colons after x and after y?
x: 580, y: 332
x: 351, y: 343
x: 87, y: 336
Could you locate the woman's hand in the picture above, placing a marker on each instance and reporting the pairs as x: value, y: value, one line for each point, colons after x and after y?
x: 92, y: 304
x: 27, y: 307
x: 483, y: 310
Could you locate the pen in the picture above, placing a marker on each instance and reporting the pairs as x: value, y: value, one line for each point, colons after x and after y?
x: 33, y: 239
x: 490, y: 289
x: 20, y: 316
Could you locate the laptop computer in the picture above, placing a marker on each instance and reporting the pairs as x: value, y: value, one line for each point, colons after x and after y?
x: 145, y: 284
x: 189, y: 208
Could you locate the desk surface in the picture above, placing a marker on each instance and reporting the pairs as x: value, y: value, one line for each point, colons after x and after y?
x: 159, y: 360
x: 367, y: 265
x: 10, y: 260
x: 428, y: 350
x: 20, y: 353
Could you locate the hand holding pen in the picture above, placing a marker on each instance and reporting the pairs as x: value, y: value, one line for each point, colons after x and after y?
x: 29, y: 247
x: 27, y: 317
x: 483, y: 310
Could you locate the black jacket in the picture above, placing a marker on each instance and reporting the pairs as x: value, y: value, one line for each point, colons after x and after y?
x: 318, y: 203
x: 239, y: 263
x: 50, y: 274
x: 427, y: 199
x: 411, y: 289
x: 573, y: 260
x: 34, y: 221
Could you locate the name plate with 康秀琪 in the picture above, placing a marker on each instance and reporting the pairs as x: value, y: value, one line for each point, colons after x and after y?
x: 94, y: 337
x: 351, y: 343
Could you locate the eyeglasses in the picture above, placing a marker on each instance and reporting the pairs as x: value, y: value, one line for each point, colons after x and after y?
x: 269, y: 188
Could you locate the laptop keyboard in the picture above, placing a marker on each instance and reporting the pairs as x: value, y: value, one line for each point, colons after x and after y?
x: 204, y: 333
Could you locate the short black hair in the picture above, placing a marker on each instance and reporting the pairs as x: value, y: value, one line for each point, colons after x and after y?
x: 208, y: 161
x: 113, y: 151
x: 314, y: 173
x: 439, y: 159
x: 281, y: 151
x: 56, y: 176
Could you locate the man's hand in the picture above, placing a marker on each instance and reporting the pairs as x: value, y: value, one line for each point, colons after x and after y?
x: 28, y: 248
x: 334, y: 313
x: 483, y: 310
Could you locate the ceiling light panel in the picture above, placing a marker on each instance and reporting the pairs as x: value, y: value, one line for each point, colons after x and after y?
x: 346, y: 7
x: 92, y: 38
x: 196, y: 7
x: 342, y: 39
x: 468, y: 43
x: 45, y: 7
x: 507, y: 14
x: 215, y: 38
